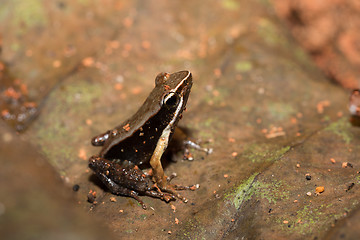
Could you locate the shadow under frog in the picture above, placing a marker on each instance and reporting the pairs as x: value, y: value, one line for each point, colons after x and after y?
x: 141, y: 140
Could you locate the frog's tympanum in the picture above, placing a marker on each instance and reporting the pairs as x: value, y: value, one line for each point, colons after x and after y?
x: 143, y: 139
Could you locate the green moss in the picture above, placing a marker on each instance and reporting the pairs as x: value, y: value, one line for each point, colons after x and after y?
x: 280, y: 110
x: 309, y: 219
x: 357, y: 179
x: 268, y: 31
x: 308, y: 216
x: 263, y: 152
x: 29, y: 13
x: 62, y: 125
x: 15, y: 46
x: 142, y: 217
x: 209, y: 122
x: 242, y: 193
x: 312, y: 219
x: 272, y: 191
x: 245, y: 109
x: 301, y: 55
x: 81, y: 93
x: 193, y: 229
x: 205, y: 129
x: 84, y: 2
x: 267, y: 3
x: 326, y: 118
x: 341, y: 128
x: 243, y: 66
x: 218, y: 99
x: 62, y: 173
x: 230, y: 4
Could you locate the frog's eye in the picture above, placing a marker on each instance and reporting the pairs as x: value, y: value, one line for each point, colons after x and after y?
x: 171, y: 99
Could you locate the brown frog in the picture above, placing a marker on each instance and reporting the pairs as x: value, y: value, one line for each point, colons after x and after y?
x: 142, y: 139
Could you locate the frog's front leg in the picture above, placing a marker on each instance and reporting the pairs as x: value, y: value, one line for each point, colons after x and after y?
x: 100, y: 139
x: 158, y: 172
x: 155, y: 162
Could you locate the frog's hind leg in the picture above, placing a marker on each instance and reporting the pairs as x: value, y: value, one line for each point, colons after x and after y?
x: 99, y: 166
x: 119, y: 190
x: 173, y: 190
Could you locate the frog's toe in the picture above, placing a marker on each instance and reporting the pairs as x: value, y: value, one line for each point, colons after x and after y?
x: 167, y: 197
x: 172, y: 189
x: 185, y: 200
x: 134, y: 195
x: 171, y: 177
x: 140, y: 202
x: 179, y: 187
x: 191, y: 187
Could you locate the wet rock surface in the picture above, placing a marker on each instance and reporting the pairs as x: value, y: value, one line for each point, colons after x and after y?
x: 271, y: 116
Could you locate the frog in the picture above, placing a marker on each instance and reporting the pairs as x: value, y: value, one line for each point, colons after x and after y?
x: 142, y: 139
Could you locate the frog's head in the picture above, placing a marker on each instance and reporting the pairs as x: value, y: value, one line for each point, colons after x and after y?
x: 175, y: 91
x: 176, y: 88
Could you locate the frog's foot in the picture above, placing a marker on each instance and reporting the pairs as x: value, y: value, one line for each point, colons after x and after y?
x: 190, y: 144
x: 170, y: 188
x: 173, y: 188
x: 191, y: 187
x: 171, y: 177
x: 179, y: 187
x: 167, y: 197
x: 136, y: 197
